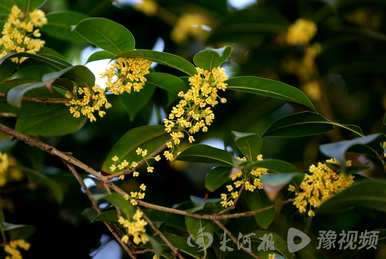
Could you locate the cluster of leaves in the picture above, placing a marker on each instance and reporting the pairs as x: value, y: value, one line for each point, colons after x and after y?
x: 33, y: 93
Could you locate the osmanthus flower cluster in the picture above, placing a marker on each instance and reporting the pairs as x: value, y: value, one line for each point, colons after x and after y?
x: 190, y: 24
x: 249, y: 181
x: 127, y: 75
x: 8, y: 169
x: 21, y: 33
x: 301, y: 32
x: 135, y: 229
x: 318, y: 185
x: 148, y: 7
x: 12, y: 249
x: 194, y: 113
x: 87, y: 101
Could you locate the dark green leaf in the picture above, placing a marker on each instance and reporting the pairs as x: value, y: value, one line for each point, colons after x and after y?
x: 278, y: 179
x: 103, y: 54
x: 217, y: 177
x: 106, y: 34
x: 136, y: 101
x: 79, y: 74
x: 60, y: 25
x: 51, y: 60
x: 249, y: 144
x: 206, y: 154
x: 170, y: 83
x: 118, y: 201
x: 256, y: 201
x: 370, y: 194
x: 270, y: 88
x: 338, y: 150
x: 151, y: 138
x: 163, y: 58
x: 47, y: 120
x: 210, y: 58
x: 15, y: 95
x: 275, y: 165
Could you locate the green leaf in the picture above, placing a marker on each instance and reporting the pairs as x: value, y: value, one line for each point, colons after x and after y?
x: 278, y: 179
x: 18, y: 231
x: 47, y: 120
x: 206, y: 154
x: 134, y: 102
x: 93, y: 216
x: 170, y: 83
x: 118, y: 201
x: 338, y: 150
x: 163, y: 58
x: 217, y: 177
x: 269, y: 88
x: 103, y: 54
x: 25, y: 5
x: 181, y: 243
x: 200, y: 230
x: 303, y: 124
x: 369, y: 194
x: 7, y: 69
x: 256, y: 201
x: 279, y: 243
x: 151, y: 138
x: 106, y: 34
x: 50, y: 60
x: 15, y: 95
x: 210, y: 58
x: 60, y: 25
x: 249, y: 144
x: 79, y: 74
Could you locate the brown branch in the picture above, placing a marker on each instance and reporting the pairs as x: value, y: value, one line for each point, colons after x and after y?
x: 40, y: 99
x: 96, y: 208
x: 51, y: 150
x: 175, y: 251
x: 233, y: 238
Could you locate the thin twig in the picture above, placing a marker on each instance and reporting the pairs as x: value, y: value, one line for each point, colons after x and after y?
x: 163, y: 237
x: 96, y: 208
x: 51, y: 150
x: 40, y: 99
x: 233, y: 238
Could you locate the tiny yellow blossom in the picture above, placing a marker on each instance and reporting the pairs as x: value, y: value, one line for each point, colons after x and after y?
x: 313, y: 90
x: 190, y: 24
x: 12, y: 249
x: 301, y: 32
x: 150, y: 169
x: 126, y: 75
x: 135, y: 228
x: 115, y: 158
x: 193, y: 113
x: 21, y: 32
x: 319, y: 185
x: 148, y: 7
x: 157, y: 158
x: 87, y: 101
x: 250, y: 182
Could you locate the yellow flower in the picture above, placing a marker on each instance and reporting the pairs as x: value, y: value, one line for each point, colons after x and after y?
x: 21, y: 32
x: 127, y: 75
x: 312, y: 89
x: 301, y: 32
x: 193, y: 113
x: 190, y: 24
x: 319, y: 185
x: 250, y: 182
x: 87, y: 101
x: 148, y: 7
x: 135, y: 228
x: 12, y: 249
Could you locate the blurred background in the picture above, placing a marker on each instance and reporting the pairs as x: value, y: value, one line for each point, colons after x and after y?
x: 341, y: 68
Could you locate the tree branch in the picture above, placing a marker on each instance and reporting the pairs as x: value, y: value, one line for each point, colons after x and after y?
x: 40, y: 99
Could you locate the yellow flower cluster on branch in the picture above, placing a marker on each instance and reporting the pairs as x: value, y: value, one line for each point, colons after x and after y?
x: 193, y: 113
x: 143, y: 155
x: 319, y: 185
x: 12, y: 249
x: 249, y: 182
x: 87, y: 101
x: 301, y: 32
x: 135, y: 229
x: 21, y: 33
x: 127, y: 74
x: 190, y: 24
x: 148, y: 7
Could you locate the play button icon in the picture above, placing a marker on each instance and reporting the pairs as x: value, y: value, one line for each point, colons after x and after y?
x: 302, y: 240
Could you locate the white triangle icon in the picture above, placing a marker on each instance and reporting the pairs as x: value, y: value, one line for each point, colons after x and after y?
x: 296, y: 233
